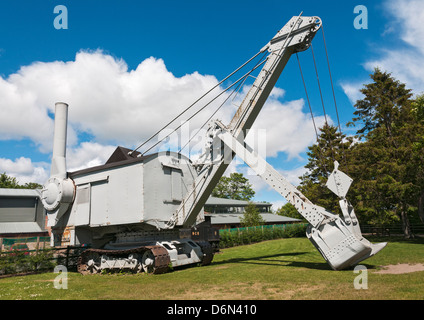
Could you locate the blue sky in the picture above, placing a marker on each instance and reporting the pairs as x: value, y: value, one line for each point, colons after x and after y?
x: 127, y: 67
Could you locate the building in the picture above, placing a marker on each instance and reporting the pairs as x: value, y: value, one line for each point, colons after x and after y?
x: 221, y: 205
x: 21, y: 214
x: 226, y: 213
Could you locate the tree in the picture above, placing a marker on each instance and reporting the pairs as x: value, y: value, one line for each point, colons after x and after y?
x: 10, y: 182
x: 331, y: 145
x: 417, y: 155
x: 288, y: 210
x: 386, y: 101
x: 386, y: 165
x: 236, y: 187
x: 31, y: 185
x: 251, y: 216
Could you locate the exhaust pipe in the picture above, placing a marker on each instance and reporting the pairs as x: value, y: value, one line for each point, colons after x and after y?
x: 58, y: 167
x: 59, y: 191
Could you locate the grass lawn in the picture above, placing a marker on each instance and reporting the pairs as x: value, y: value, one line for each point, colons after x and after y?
x: 285, y: 269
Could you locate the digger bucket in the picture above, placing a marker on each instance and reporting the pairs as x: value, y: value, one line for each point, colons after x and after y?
x: 339, y: 239
x: 339, y: 246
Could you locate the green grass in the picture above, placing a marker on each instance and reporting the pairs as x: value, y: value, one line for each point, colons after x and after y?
x: 276, y: 269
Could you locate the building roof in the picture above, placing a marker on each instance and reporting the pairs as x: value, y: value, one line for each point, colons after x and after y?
x: 212, y: 201
x: 234, y: 218
x: 120, y: 157
x: 19, y: 192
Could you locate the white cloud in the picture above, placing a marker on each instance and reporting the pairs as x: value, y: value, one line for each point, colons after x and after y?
x: 87, y: 154
x: 277, y: 204
x: 24, y: 170
x: 282, y: 126
x: 404, y: 60
x: 352, y: 90
x: 408, y: 15
x: 403, y: 64
x: 105, y: 98
x: 288, y: 128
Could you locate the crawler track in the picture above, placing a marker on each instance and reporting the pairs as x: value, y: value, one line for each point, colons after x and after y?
x: 207, y: 251
x: 86, y: 261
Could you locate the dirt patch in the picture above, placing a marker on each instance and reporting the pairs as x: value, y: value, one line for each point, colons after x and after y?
x: 221, y: 267
x: 248, y: 291
x: 401, y: 268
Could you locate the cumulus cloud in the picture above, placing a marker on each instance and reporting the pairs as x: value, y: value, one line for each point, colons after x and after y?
x: 282, y: 126
x: 106, y: 99
x: 88, y: 154
x: 24, y: 170
x: 288, y: 128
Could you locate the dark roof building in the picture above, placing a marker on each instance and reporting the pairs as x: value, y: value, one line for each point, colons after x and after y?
x: 226, y: 213
x: 221, y: 205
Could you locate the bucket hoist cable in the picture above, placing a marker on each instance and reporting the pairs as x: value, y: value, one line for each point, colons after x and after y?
x: 312, y: 115
x: 334, y: 95
x: 235, y: 90
x: 202, y: 108
x: 322, y: 99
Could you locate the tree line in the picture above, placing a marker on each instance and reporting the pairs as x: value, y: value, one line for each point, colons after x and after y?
x: 385, y: 157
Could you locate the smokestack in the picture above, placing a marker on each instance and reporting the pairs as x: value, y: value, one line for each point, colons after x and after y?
x: 59, y: 191
x: 58, y: 167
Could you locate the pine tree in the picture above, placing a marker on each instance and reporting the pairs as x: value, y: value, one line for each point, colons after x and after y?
x: 417, y: 156
x: 382, y: 163
x: 331, y: 145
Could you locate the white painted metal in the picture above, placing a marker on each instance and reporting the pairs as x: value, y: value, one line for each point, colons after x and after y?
x: 339, y: 182
x: 59, y: 191
x: 182, y: 252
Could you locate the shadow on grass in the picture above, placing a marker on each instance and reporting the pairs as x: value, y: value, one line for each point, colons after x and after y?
x: 262, y: 260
